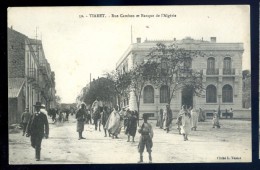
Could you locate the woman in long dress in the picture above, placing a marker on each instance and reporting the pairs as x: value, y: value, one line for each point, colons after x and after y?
x: 194, y: 119
x: 186, y: 125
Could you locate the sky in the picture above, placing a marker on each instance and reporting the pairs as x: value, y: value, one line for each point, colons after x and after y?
x: 77, y: 44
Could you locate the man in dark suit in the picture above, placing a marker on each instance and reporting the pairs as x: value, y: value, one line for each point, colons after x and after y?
x: 37, y: 125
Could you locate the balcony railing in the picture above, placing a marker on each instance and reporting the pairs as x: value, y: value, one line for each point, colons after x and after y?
x: 31, y: 74
x: 212, y: 71
x: 229, y: 71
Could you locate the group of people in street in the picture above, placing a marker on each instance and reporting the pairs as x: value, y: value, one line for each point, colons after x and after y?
x: 58, y: 115
x: 113, y: 120
x: 187, y: 119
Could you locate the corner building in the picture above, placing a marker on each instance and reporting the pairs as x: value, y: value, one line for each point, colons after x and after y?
x: 221, y: 67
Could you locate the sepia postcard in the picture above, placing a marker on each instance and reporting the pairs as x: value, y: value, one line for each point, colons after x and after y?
x: 129, y: 84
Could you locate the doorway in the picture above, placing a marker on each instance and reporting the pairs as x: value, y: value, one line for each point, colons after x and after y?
x: 187, y: 97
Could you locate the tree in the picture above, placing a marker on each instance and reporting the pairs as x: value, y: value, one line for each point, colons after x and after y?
x: 174, y: 69
x: 122, y: 83
x: 57, y: 100
x: 141, y: 74
x: 101, y: 88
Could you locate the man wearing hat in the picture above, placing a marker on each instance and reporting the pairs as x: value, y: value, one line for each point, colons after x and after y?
x: 25, y: 119
x: 37, y: 128
x: 146, y: 137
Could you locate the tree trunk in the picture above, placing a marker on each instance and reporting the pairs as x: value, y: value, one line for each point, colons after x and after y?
x: 138, y: 106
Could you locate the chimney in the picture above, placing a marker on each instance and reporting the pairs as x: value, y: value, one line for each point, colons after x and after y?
x: 213, y: 39
x: 11, y: 27
x: 138, y: 40
x: 174, y: 39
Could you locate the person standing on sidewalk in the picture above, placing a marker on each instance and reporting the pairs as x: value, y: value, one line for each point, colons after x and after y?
x: 81, y: 116
x: 146, y: 137
x: 37, y: 125
x: 25, y: 119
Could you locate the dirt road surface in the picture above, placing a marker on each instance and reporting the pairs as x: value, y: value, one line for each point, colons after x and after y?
x: 230, y: 143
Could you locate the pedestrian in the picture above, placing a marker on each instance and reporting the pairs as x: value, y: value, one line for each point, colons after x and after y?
x: 60, y: 118
x: 131, y: 126
x: 161, y: 118
x: 88, y: 117
x: 96, y: 113
x: 167, y: 118
x: 127, y: 115
x: 215, y: 120
x: 37, y: 128
x: 25, y: 119
x: 231, y: 113
x: 104, y: 118
x: 113, y: 123
x: 67, y: 115
x: 202, y: 116
x: 194, y: 119
x: 179, y: 118
x: 186, y: 125
x: 54, y: 113
x: 81, y: 116
x: 146, y: 137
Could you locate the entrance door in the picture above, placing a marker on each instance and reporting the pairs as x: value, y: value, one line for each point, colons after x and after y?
x: 187, y: 97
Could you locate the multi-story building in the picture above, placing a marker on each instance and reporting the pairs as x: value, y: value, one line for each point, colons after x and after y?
x: 30, y: 78
x: 221, y: 66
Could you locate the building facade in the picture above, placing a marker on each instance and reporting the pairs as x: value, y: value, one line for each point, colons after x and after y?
x: 221, y: 67
x: 30, y: 78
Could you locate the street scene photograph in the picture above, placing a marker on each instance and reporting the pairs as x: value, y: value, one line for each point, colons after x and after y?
x: 129, y: 84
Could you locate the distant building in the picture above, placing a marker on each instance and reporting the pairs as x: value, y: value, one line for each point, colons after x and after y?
x: 30, y: 78
x: 222, y: 77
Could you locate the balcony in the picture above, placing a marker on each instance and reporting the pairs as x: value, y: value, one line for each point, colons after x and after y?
x: 43, y: 68
x: 212, y: 71
x: 229, y: 71
x: 31, y: 75
x: 36, y: 86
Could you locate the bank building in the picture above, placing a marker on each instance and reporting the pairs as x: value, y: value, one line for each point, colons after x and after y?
x: 221, y: 67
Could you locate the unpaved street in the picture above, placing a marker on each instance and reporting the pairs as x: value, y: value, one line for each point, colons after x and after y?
x: 230, y: 143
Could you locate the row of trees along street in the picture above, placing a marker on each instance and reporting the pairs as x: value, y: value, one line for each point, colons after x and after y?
x: 163, y: 65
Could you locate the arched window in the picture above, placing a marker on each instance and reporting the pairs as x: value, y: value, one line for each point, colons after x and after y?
x: 148, y: 94
x: 164, y: 94
x: 211, y: 94
x: 227, y: 65
x: 227, y: 94
x: 211, y: 65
